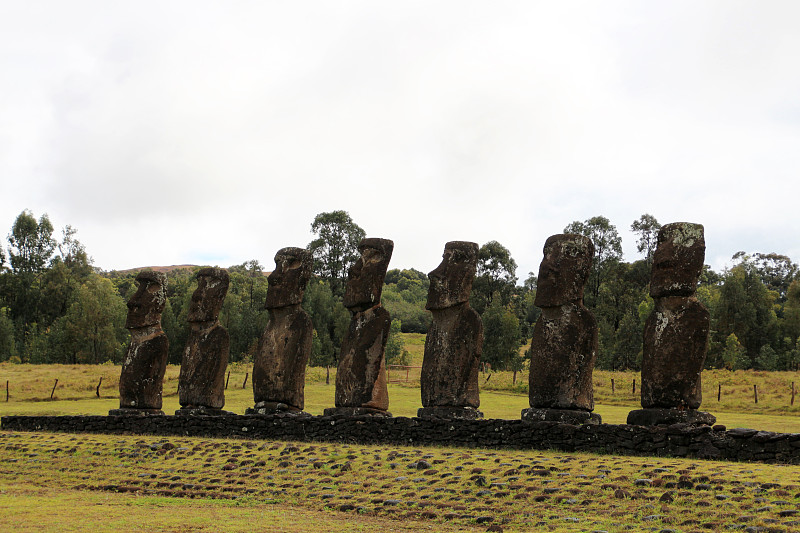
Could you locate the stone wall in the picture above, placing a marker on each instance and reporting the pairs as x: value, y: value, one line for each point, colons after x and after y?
x: 702, y: 442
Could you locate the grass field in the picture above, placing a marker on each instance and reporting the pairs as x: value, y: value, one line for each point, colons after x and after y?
x: 30, y: 387
x: 131, y: 483
x: 61, y: 482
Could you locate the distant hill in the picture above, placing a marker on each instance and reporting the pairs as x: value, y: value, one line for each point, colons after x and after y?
x: 163, y: 269
x: 166, y: 269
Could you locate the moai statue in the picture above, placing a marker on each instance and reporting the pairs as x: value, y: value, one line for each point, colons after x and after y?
x: 361, y: 374
x: 676, y: 332
x: 565, y: 338
x: 201, y: 384
x: 142, y: 378
x: 449, y: 380
x: 279, y: 369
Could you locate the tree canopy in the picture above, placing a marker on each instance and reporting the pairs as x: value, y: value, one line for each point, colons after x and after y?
x: 56, y: 307
x: 335, y: 247
x: 495, y: 276
x: 646, y: 227
x: 607, y: 250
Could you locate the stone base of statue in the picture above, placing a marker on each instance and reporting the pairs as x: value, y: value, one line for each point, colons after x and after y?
x: 657, y: 417
x: 202, y: 411
x: 454, y: 413
x: 355, y: 411
x: 576, y: 417
x: 274, y: 408
x: 132, y: 411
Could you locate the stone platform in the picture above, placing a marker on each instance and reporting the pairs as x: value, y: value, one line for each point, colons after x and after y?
x: 677, y: 440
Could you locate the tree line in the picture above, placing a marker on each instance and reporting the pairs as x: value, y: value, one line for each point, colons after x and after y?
x: 57, y: 307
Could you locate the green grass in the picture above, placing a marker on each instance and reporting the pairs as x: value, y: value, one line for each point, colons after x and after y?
x: 63, y: 482
x: 80, y: 479
x: 30, y: 387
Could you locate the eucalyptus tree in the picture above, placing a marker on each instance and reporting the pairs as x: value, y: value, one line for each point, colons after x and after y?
x: 607, y: 250
x: 496, y: 276
x: 647, y: 228
x: 335, y: 247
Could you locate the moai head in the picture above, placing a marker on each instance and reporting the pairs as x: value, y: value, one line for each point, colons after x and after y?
x: 147, y: 303
x: 365, y: 278
x: 678, y: 260
x: 212, y: 286
x: 290, y: 277
x: 565, y: 269
x: 451, y: 281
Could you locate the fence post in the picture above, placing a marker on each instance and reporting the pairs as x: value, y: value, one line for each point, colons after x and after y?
x: 6, y: 390
x: 612, y: 385
x: 97, y: 390
x: 634, y: 385
x: 227, y: 380
x: 792, y: 402
x: 246, y: 375
x: 755, y: 392
x: 719, y: 391
x: 54, y: 389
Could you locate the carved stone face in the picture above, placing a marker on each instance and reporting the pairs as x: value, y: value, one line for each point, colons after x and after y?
x: 365, y: 277
x: 564, y: 270
x: 147, y: 303
x: 207, y: 299
x: 290, y: 277
x: 451, y: 281
x: 678, y: 260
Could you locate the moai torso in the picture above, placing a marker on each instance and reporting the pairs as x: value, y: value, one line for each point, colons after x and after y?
x: 563, y: 353
x: 675, y: 341
x: 279, y: 369
x: 142, y: 377
x: 452, y: 358
x: 361, y: 371
x: 676, y: 333
x: 201, y: 383
x: 565, y: 338
x: 455, y: 340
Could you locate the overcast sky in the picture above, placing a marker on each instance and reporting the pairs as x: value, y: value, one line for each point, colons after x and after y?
x: 213, y: 132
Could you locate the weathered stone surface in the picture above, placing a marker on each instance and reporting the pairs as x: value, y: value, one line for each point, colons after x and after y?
x: 287, y: 282
x: 279, y: 368
x: 565, y: 338
x: 654, y: 417
x: 679, y: 439
x: 678, y: 260
x: 201, y: 384
x: 674, y: 352
x: 203, y: 411
x: 567, y: 416
x: 361, y: 373
x: 142, y: 376
x: 356, y: 411
x: 450, y: 413
x: 134, y: 412
x: 676, y: 333
x: 563, y: 354
x: 451, y: 281
x: 454, y: 342
x: 365, y: 278
x: 270, y: 408
x: 564, y: 270
x: 147, y: 303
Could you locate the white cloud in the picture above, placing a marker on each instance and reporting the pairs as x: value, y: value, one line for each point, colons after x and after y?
x: 209, y: 132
